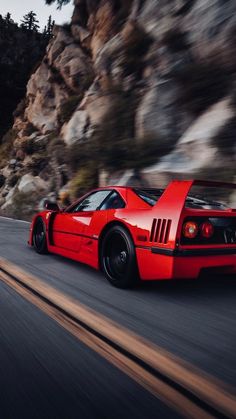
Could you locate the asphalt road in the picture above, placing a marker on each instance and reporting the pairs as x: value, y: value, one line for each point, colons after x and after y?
x: 46, y: 371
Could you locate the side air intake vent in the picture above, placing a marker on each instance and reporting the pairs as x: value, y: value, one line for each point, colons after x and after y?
x: 160, y: 230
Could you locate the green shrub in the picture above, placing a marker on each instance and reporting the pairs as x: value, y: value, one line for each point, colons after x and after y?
x: 80, y: 154
x: 85, y: 179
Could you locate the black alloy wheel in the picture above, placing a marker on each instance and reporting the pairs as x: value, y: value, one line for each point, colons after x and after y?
x: 118, y: 258
x: 39, y: 237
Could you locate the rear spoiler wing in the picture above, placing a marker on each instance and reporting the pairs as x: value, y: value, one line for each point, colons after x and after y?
x: 175, y: 194
x: 170, y: 205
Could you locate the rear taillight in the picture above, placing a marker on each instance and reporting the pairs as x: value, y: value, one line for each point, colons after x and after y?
x: 190, y: 229
x: 207, y: 229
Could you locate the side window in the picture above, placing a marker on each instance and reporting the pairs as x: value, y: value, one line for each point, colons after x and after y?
x: 91, y: 202
x: 113, y: 201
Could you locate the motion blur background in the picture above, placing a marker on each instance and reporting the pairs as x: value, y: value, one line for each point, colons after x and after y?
x: 127, y: 92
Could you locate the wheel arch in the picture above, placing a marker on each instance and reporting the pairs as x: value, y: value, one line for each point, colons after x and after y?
x: 35, y: 220
x: 48, y: 222
x: 41, y: 218
x: 105, y: 230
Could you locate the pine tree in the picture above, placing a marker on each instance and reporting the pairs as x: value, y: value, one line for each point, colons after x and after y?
x: 30, y: 22
x: 7, y: 25
x: 8, y: 20
x: 2, y: 26
x: 49, y: 27
x: 60, y: 3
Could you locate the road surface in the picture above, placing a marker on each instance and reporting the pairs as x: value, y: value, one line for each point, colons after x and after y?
x: 46, y: 372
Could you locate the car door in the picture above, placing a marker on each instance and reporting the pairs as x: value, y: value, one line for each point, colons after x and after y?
x: 95, y: 223
x: 69, y: 228
x: 63, y: 232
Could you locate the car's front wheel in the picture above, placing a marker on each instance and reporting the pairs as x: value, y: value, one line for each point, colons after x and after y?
x: 39, y: 237
x: 118, y: 258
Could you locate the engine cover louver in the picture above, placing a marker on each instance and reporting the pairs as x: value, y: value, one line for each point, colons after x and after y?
x: 160, y: 230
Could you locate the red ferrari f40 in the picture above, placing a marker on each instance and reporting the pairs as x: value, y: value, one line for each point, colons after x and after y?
x: 145, y: 233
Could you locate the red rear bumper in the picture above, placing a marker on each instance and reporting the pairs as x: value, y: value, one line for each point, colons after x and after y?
x: 183, y: 265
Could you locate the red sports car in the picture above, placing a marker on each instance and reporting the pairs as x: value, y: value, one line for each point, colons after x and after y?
x: 151, y: 234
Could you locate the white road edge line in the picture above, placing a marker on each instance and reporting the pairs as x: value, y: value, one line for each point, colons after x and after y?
x: 14, y: 219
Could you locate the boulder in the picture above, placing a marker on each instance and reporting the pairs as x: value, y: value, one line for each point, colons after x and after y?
x: 157, y: 115
x: 9, y: 198
x: 6, y: 171
x: 29, y: 184
x: 76, y: 129
x: 195, y: 149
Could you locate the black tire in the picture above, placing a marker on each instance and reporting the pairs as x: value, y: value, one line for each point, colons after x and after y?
x: 39, y: 237
x: 118, y: 258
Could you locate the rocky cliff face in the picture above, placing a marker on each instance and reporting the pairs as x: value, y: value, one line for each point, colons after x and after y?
x: 127, y: 75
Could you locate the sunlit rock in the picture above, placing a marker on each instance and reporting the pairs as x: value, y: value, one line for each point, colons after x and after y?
x: 44, y: 100
x: 196, y: 149
x: 76, y: 129
x: 29, y: 183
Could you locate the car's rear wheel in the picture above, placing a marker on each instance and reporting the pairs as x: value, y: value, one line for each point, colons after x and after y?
x: 39, y: 237
x: 118, y: 258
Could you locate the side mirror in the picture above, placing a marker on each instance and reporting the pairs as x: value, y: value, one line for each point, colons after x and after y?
x: 51, y: 206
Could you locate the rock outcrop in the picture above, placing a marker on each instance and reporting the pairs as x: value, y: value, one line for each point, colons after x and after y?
x: 123, y: 75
